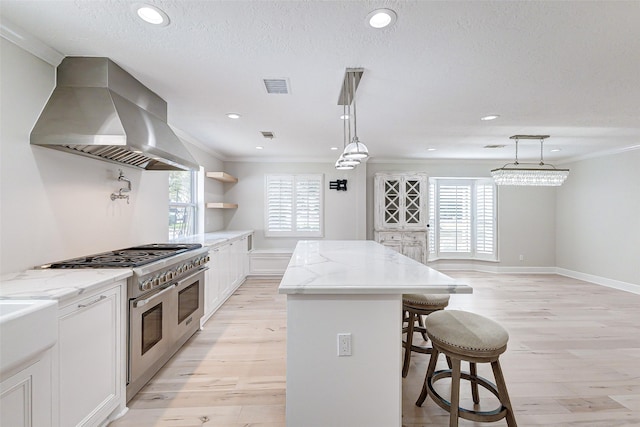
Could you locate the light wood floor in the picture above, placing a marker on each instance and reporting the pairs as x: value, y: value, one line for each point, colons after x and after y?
x: 573, y: 359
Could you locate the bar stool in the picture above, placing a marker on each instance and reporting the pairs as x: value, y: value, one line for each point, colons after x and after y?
x: 461, y: 335
x: 414, y: 306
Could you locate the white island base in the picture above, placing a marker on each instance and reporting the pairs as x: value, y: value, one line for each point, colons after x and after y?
x: 349, y: 287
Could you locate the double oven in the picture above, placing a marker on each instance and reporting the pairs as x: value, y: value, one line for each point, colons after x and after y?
x: 165, y: 301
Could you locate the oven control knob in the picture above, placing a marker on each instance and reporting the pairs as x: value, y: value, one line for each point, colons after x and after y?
x: 207, y: 258
x: 162, y: 278
x: 155, y: 281
x: 146, y: 285
x: 170, y: 275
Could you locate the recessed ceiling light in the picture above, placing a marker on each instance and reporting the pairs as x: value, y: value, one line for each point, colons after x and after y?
x: 431, y: 149
x: 490, y: 117
x: 344, y: 116
x: 259, y: 147
x: 334, y: 148
x: 555, y: 150
x: 233, y: 115
x: 151, y: 14
x: 381, y: 18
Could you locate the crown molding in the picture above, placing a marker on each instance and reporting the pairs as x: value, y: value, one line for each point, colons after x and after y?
x: 25, y: 40
x: 600, y: 154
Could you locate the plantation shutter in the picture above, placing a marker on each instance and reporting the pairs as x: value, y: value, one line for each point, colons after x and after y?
x: 432, y: 218
x: 454, y: 202
x: 485, y: 218
x: 294, y: 205
x: 279, y: 203
x: 463, y: 219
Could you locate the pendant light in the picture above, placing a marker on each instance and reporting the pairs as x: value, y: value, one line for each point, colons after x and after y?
x: 356, y: 149
x: 540, y: 174
x: 344, y: 163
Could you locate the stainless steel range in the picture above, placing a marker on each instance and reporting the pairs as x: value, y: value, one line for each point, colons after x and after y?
x: 165, y: 298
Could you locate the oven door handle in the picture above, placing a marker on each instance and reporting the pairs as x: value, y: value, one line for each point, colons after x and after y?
x: 195, y: 273
x: 146, y: 301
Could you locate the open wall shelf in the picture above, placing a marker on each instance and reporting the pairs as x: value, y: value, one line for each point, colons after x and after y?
x: 220, y: 205
x: 222, y: 177
x: 227, y: 179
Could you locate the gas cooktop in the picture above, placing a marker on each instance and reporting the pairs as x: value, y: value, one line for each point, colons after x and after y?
x: 126, y: 258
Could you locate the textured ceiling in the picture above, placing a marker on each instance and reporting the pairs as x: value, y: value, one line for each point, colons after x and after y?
x: 570, y: 69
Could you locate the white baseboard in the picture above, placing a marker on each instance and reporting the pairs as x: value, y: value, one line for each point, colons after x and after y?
x: 598, y: 280
x: 269, y: 262
x: 490, y: 268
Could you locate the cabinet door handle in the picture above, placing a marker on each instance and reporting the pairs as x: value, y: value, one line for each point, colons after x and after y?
x: 92, y: 302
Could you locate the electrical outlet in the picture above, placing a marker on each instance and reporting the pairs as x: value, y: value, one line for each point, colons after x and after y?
x: 521, y: 257
x: 344, y: 344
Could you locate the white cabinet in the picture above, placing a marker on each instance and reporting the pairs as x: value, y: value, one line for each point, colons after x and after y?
x: 90, y: 375
x: 224, y: 270
x: 239, y: 261
x: 400, y: 201
x: 228, y: 269
x: 401, y: 214
x: 25, y: 397
x: 212, y: 285
x: 409, y: 243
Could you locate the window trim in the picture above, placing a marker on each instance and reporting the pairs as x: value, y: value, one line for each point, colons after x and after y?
x: 194, y: 205
x: 319, y: 177
x: 434, y: 183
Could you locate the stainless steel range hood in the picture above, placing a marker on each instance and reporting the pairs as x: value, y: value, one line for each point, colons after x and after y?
x: 99, y: 110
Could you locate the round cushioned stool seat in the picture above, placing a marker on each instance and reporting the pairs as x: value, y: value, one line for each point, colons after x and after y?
x: 429, y: 301
x: 466, y: 333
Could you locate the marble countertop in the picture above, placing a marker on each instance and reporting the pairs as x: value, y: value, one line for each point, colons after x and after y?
x: 58, y: 284
x: 361, y: 267
x: 215, y: 238
x: 63, y: 284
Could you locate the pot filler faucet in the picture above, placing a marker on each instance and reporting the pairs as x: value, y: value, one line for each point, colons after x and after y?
x: 126, y: 189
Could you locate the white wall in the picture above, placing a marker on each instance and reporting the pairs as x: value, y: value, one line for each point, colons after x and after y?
x: 598, y: 218
x: 526, y: 216
x: 344, y: 210
x: 56, y: 205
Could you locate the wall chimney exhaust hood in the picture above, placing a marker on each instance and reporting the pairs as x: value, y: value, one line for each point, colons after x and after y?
x: 99, y: 110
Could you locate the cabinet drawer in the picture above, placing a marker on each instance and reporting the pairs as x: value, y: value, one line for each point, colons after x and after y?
x: 389, y: 237
x: 413, y: 237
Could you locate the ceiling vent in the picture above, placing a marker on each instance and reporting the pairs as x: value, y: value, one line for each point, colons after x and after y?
x: 266, y: 134
x: 495, y: 146
x: 277, y: 86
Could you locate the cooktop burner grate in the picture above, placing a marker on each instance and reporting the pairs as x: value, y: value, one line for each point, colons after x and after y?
x: 126, y: 258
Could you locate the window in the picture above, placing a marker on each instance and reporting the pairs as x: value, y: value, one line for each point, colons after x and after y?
x: 182, y: 204
x: 294, y: 205
x: 462, y: 213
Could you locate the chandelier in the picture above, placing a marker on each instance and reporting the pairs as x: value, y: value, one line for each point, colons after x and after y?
x: 354, y: 150
x: 535, y: 174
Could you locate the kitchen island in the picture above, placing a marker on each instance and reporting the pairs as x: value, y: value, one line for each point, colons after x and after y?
x: 351, y: 288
